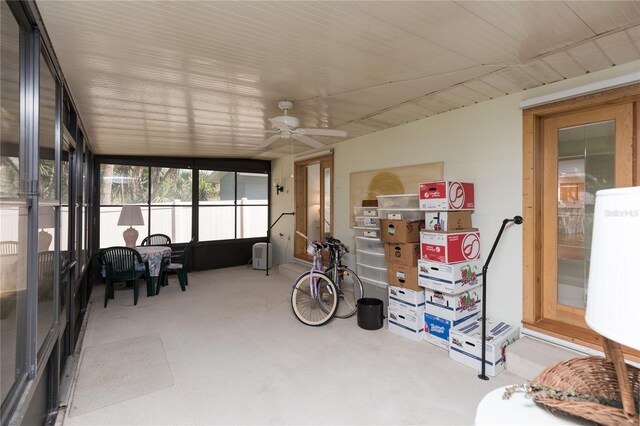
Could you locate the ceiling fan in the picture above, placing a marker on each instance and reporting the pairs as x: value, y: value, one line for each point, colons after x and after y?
x: 286, y: 127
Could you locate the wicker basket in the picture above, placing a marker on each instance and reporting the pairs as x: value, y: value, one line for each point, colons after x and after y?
x: 593, y: 376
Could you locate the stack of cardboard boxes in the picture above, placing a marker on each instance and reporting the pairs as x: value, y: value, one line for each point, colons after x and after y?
x: 400, y: 225
x: 450, y: 267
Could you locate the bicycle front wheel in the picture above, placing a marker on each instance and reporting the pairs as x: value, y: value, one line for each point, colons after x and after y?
x: 318, y: 310
x: 349, y: 291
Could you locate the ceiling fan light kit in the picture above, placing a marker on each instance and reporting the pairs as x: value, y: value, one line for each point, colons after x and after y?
x: 286, y: 127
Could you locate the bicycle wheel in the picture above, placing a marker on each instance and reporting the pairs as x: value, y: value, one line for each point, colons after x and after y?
x: 349, y: 290
x: 314, y: 311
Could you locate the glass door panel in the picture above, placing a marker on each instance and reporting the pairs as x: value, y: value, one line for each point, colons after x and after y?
x: 586, y: 164
x: 583, y: 153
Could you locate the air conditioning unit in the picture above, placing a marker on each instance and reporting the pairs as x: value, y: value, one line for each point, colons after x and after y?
x: 260, y: 256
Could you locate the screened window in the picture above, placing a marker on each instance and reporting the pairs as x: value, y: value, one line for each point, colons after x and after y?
x: 171, y: 193
x: 216, y: 205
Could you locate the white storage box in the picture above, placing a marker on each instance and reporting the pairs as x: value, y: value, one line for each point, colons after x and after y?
x: 374, y: 245
x: 449, y: 279
x: 378, y: 275
x: 400, y: 214
x: 466, y: 344
x: 367, y: 221
x: 406, y: 296
x: 365, y: 211
x: 454, y: 307
x: 436, y: 329
x: 371, y: 259
x: 362, y: 231
x: 400, y: 201
x: 405, y: 321
x: 450, y: 247
x: 446, y: 195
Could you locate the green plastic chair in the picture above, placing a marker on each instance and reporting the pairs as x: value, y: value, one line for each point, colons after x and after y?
x: 177, y: 264
x: 156, y: 240
x: 123, y: 264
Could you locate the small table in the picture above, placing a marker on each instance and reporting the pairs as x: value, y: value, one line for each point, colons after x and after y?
x: 154, y: 256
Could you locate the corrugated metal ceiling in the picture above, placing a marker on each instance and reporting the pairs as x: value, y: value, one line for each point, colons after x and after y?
x: 200, y: 78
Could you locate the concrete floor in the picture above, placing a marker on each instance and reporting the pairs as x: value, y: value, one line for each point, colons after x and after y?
x: 230, y: 351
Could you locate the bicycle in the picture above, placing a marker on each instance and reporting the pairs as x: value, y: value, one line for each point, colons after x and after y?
x: 314, y: 296
x: 350, y: 288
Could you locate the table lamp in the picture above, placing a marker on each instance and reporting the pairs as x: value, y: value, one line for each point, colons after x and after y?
x: 45, y: 220
x: 614, y: 282
x: 130, y: 216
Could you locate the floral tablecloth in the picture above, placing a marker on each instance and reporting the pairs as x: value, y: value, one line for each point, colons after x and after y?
x: 154, y: 255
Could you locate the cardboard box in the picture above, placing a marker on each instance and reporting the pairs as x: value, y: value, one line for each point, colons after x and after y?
x: 449, y: 279
x: 447, y: 195
x: 400, y: 231
x: 436, y: 329
x: 405, y: 321
x: 450, y: 247
x: 447, y: 221
x: 402, y: 253
x: 466, y: 344
x: 405, y: 296
x: 403, y: 276
x: 454, y: 307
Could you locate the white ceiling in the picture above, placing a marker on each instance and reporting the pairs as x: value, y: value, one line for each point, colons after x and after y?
x: 200, y: 78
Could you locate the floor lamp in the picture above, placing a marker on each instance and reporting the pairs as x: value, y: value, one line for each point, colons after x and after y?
x: 517, y: 220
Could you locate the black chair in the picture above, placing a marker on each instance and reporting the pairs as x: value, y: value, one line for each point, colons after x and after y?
x: 177, y: 264
x: 122, y: 264
x: 156, y: 240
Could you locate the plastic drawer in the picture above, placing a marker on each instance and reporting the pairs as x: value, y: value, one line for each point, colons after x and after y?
x: 368, y: 258
x: 361, y: 231
x: 400, y: 214
x: 372, y: 245
x: 371, y: 222
x: 372, y: 273
x: 365, y: 211
x: 400, y: 201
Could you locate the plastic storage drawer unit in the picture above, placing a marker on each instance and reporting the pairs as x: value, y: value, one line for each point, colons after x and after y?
x: 370, y: 273
x: 400, y: 201
x: 376, y: 260
x: 374, y: 245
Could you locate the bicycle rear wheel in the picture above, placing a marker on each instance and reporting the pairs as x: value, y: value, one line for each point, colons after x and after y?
x: 350, y: 289
x: 314, y: 311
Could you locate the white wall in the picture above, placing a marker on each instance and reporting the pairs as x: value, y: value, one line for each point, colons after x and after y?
x: 481, y: 144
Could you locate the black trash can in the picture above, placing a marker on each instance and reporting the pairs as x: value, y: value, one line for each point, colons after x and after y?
x: 370, y: 315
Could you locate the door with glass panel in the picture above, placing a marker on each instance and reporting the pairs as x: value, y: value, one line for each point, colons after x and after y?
x: 313, y: 200
x: 583, y: 153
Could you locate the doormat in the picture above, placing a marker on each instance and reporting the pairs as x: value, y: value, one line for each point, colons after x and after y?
x: 119, y: 371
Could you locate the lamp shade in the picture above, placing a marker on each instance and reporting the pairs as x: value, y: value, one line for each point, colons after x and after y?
x: 614, y: 281
x: 130, y: 216
x: 46, y: 217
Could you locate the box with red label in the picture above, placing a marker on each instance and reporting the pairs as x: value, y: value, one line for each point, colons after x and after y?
x: 450, y: 247
x: 403, y: 276
x: 402, y: 253
x: 446, y: 195
x: 466, y: 344
x: 450, y: 279
x: 447, y: 221
x: 400, y: 231
x: 453, y: 306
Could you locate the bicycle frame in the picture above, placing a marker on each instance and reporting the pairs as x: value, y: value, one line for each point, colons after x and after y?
x: 316, y: 266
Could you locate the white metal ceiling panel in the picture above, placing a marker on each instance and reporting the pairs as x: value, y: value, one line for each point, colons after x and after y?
x: 191, y: 78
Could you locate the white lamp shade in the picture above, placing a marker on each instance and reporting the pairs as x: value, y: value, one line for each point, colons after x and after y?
x: 46, y: 217
x: 130, y: 216
x: 614, y: 278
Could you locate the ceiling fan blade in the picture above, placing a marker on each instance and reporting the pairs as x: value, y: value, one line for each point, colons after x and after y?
x: 324, y: 132
x: 306, y: 139
x: 269, y: 141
